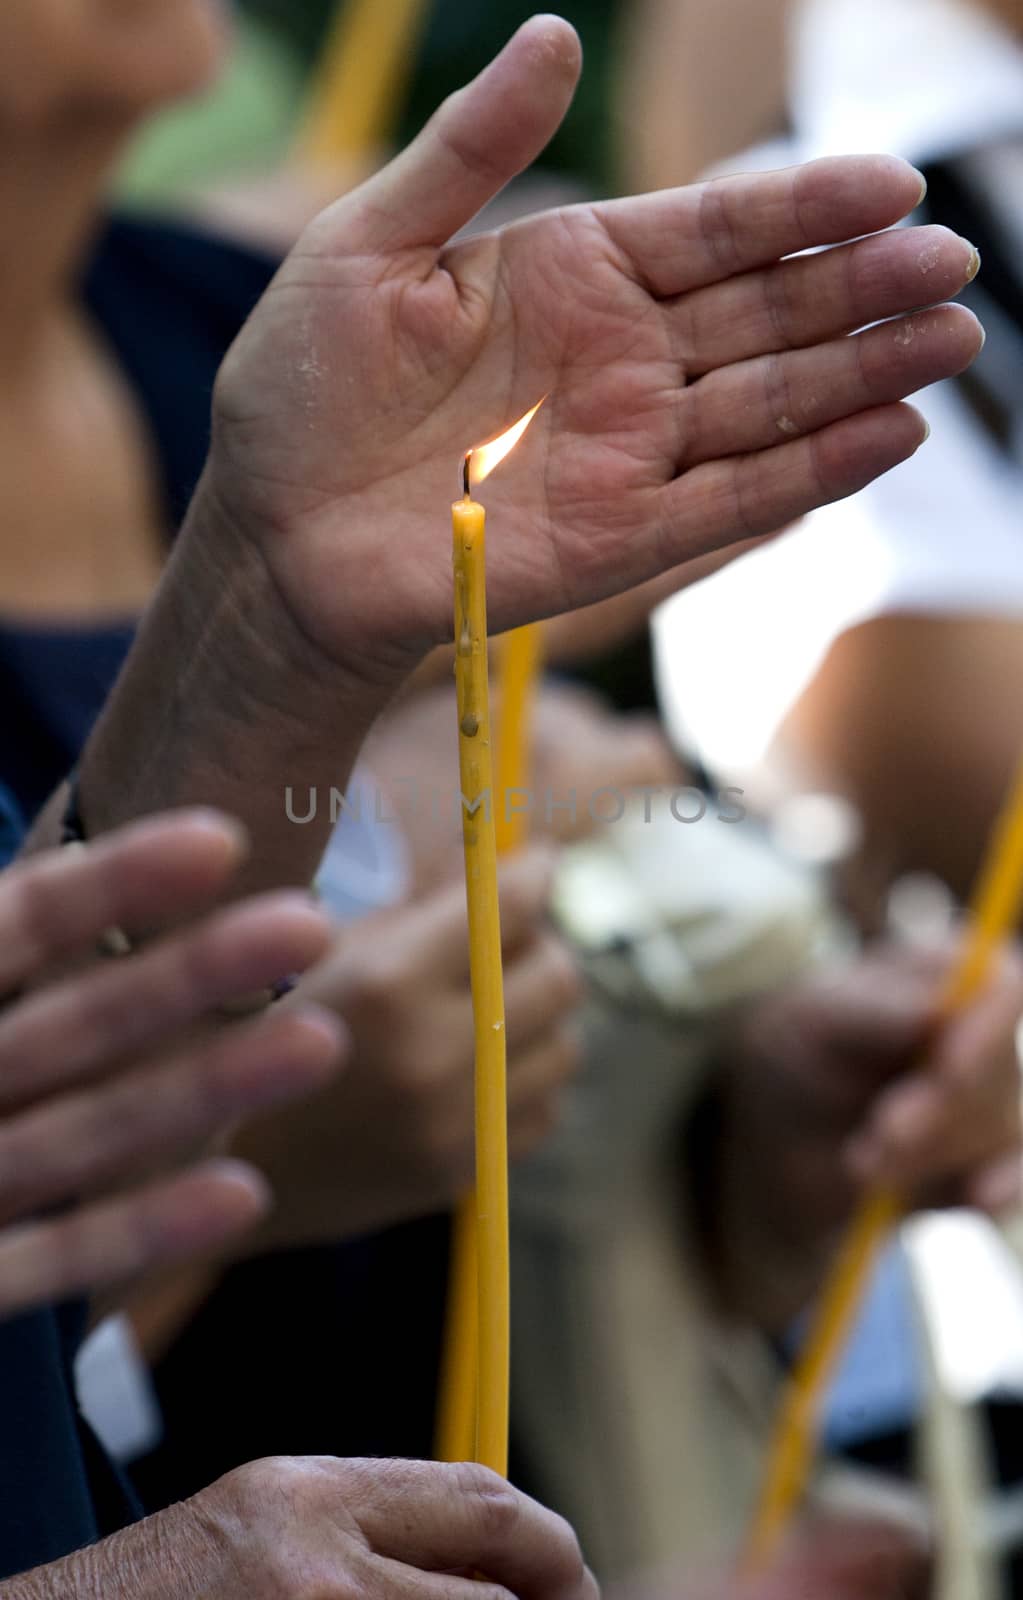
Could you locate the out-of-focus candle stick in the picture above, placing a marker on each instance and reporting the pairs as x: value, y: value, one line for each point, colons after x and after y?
x: 357, y: 89
x: 994, y: 912
x: 518, y: 658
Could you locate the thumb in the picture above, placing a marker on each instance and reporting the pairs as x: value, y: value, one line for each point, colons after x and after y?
x: 477, y: 141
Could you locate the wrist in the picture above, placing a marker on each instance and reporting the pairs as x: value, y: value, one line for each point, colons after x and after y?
x: 223, y: 701
x: 329, y: 638
x: 170, y: 1556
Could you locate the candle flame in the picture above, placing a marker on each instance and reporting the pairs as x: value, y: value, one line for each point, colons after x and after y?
x: 481, y: 462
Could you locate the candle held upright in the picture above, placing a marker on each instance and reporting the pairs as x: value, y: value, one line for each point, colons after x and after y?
x: 474, y: 1400
x: 475, y: 757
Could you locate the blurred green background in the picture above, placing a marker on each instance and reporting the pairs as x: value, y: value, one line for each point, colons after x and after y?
x: 246, y: 124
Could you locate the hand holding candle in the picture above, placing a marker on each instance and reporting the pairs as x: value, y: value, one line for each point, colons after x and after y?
x: 994, y: 912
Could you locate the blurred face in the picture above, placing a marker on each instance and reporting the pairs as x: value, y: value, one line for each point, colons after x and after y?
x: 115, y: 57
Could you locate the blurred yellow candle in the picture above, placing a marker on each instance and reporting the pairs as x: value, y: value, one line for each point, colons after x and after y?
x: 994, y: 912
x: 356, y: 95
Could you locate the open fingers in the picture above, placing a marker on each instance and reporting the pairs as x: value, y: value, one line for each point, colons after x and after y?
x: 42, y: 1263
x: 79, y: 1143
x: 754, y: 404
x: 683, y: 239
x: 807, y: 299
x: 56, y: 906
x: 88, y: 1024
x: 744, y: 496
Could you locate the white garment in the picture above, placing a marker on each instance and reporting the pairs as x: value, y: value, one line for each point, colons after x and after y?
x: 943, y: 532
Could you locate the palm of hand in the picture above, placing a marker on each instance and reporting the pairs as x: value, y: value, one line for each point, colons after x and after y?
x: 382, y: 353
x: 432, y: 364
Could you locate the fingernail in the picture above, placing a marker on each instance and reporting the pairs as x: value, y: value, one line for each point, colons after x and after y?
x: 973, y: 266
x: 922, y: 196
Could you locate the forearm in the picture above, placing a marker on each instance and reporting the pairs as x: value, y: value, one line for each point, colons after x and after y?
x: 167, y: 1557
x: 223, y: 702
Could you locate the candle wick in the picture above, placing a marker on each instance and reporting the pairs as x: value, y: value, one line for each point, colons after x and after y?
x: 466, y: 466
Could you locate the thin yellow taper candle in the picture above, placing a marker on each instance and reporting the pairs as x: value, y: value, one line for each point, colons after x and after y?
x: 518, y: 660
x: 357, y: 90
x: 475, y: 761
x: 994, y: 911
x: 463, y: 1395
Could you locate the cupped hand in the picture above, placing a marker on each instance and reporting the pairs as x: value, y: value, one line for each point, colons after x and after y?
x: 114, y: 1072
x: 701, y: 387
x: 394, y: 1137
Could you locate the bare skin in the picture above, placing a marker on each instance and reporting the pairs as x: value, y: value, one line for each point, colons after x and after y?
x: 73, y: 83
x: 846, y: 1081
x: 109, y: 1070
x: 701, y: 83
x: 294, y: 1529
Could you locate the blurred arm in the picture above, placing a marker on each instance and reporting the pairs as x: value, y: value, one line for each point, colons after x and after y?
x: 701, y: 80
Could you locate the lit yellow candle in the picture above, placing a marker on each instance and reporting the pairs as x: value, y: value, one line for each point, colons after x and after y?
x: 994, y: 911
x: 357, y: 90
x: 473, y: 1410
x: 475, y: 760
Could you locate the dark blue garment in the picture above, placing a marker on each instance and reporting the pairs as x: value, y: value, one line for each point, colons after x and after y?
x: 169, y: 303
x: 10, y: 826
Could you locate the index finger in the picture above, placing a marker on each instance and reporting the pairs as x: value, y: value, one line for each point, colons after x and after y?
x: 58, y: 905
x: 683, y: 239
x: 462, y: 1517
